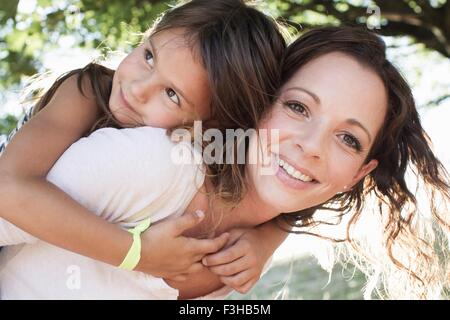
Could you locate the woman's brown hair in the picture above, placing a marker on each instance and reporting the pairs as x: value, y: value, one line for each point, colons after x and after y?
x: 407, y: 237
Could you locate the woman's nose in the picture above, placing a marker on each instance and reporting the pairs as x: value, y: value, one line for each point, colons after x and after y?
x: 312, y: 142
x: 143, y: 88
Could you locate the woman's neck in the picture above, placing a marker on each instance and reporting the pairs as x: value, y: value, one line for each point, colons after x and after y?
x: 219, y: 217
x: 249, y: 212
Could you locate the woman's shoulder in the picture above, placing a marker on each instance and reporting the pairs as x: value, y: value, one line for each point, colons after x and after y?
x: 128, y: 138
x: 148, y: 144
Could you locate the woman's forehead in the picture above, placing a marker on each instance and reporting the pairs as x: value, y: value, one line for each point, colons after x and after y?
x: 343, y: 86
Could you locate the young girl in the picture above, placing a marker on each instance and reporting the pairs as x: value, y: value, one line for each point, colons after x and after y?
x: 216, y: 60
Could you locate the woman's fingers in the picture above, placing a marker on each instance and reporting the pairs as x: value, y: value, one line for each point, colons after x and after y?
x: 196, y: 267
x: 246, y: 287
x: 227, y: 255
x: 206, y: 246
x: 239, y: 281
x: 180, y: 277
x: 232, y: 268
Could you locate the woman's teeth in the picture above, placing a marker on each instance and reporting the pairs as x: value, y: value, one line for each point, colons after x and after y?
x: 290, y: 170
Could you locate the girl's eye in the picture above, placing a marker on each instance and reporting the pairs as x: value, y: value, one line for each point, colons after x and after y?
x: 149, y: 57
x: 173, y: 96
x: 352, y: 142
x: 297, y: 108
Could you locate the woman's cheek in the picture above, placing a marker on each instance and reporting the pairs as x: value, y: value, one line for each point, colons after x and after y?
x: 343, y: 175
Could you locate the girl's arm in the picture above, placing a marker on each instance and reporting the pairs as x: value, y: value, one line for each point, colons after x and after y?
x: 37, y: 206
x: 42, y: 209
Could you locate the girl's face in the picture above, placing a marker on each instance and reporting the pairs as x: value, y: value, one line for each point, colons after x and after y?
x: 161, y: 83
x: 328, y: 116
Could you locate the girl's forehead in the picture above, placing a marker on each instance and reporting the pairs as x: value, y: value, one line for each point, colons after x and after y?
x: 172, y: 38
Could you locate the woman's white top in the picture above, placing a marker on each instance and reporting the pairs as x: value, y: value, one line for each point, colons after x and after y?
x: 124, y: 176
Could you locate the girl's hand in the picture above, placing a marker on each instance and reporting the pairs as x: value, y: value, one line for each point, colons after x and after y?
x: 167, y: 254
x: 240, y: 264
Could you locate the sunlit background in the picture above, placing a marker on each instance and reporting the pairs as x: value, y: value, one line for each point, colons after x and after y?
x: 295, y: 275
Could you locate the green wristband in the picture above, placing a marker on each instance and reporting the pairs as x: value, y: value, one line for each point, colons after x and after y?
x: 134, y: 254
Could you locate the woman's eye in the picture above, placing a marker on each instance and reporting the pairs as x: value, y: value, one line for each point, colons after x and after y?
x: 173, y: 96
x: 297, y: 108
x: 149, y: 57
x: 352, y: 142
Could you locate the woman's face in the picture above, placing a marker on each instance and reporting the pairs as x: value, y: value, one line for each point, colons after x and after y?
x: 161, y: 83
x: 328, y: 115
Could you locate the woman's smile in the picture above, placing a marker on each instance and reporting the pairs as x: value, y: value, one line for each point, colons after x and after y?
x: 292, y: 176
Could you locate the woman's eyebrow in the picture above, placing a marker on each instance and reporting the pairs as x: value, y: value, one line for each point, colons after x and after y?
x: 355, y: 122
x: 312, y: 94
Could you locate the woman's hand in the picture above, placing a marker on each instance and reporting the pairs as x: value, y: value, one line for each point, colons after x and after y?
x: 240, y: 264
x: 167, y: 254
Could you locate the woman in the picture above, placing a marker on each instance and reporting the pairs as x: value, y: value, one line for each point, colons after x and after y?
x: 347, y: 127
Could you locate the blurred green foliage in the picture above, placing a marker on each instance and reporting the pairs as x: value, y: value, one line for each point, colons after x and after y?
x: 7, y: 124
x: 25, y: 35
x: 304, y: 279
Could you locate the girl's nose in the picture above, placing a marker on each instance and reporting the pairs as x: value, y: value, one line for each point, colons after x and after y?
x: 142, y: 89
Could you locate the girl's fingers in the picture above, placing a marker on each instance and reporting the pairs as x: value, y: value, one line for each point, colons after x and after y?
x: 232, y: 268
x: 187, y: 221
x: 225, y: 256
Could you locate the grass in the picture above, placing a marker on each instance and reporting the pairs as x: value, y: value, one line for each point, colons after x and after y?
x: 304, y: 279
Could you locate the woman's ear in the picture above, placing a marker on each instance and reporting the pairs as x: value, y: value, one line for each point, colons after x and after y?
x: 363, y: 171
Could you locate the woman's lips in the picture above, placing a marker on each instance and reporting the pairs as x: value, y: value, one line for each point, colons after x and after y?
x: 287, y: 179
x: 291, y: 182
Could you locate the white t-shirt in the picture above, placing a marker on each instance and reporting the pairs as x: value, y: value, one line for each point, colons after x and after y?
x: 124, y: 176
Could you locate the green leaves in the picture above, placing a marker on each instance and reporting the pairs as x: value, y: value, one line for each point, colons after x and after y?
x: 115, y: 24
x: 7, y: 124
x: 8, y: 10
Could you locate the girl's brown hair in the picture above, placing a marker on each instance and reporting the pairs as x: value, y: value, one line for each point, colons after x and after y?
x: 406, y: 236
x: 241, y: 49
